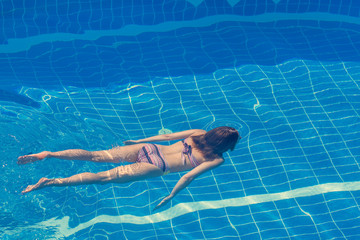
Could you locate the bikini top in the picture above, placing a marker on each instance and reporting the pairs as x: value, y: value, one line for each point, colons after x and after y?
x: 188, y: 151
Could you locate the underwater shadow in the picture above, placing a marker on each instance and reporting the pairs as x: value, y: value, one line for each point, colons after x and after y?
x: 17, y: 98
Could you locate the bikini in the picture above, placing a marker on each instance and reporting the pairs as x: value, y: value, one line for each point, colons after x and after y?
x: 150, y: 153
x: 188, y: 151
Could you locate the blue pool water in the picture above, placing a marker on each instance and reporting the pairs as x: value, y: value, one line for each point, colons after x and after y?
x: 91, y: 74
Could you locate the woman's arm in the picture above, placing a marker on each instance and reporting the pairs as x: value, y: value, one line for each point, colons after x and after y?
x: 167, y: 137
x: 187, y: 178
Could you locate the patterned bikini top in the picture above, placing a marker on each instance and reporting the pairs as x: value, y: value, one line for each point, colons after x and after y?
x: 188, y: 151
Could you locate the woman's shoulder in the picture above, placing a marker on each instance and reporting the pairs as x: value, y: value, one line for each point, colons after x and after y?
x: 198, y: 132
x: 217, y: 161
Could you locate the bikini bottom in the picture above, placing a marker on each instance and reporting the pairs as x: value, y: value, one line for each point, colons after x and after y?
x: 150, y: 153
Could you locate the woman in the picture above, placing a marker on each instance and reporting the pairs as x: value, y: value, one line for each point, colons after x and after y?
x: 199, y: 152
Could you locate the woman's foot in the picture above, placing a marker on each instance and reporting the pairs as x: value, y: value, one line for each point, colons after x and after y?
x: 32, y: 158
x: 43, y: 182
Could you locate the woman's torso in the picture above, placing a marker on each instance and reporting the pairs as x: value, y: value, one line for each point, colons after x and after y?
x: 175, y: 158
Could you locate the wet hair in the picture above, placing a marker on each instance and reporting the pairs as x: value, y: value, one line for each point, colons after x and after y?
x: 216, y: 141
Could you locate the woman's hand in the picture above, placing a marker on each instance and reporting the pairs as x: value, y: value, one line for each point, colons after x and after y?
x: 130, y: 142
x: 163, y: 202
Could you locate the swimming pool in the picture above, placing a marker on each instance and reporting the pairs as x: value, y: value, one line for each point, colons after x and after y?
x: 91, y: 74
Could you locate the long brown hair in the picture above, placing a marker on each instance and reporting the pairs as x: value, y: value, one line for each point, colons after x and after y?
x: 216, y: 141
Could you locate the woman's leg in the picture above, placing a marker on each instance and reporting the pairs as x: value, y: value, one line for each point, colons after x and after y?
x: 115, y: 155
x: 122, y: 174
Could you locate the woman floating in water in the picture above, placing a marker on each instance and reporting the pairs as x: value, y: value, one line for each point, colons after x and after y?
x: 200, y: 151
